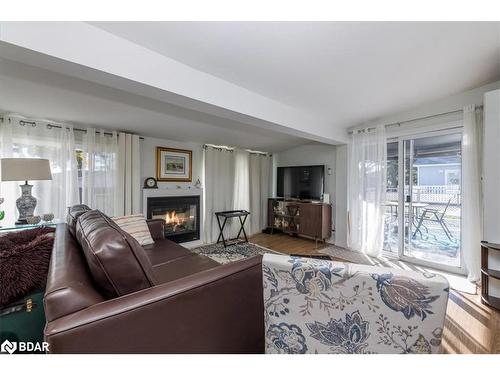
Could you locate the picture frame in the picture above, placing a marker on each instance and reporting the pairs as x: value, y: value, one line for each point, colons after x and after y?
x: 174, y: 164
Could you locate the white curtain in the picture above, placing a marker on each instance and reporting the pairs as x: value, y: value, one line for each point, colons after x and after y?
x: 219, y: 188
x: 20, y: 138
x: 241, y: 189
x: 471, y: 191
x: 235, y: 180
x: 99, y: 176
x: 259, y: 181
x: 128, y: 175
x: 367, y: 188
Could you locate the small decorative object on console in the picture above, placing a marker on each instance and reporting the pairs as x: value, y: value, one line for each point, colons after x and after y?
x: 150, y: 183
x: 48, y: 217
x: 32, y: 220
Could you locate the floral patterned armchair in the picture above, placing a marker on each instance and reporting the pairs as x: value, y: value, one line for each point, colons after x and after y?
x: 319, y: 306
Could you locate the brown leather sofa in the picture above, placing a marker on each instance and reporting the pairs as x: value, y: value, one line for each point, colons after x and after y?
x: 107, y: 294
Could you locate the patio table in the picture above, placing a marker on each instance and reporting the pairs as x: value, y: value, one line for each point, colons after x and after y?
x: 415, y: 207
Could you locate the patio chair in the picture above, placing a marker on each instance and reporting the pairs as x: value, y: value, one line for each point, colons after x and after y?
x: 436, y: 216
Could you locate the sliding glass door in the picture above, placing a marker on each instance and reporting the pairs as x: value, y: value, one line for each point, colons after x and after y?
x: 423, y: 207
x: 391, y: 235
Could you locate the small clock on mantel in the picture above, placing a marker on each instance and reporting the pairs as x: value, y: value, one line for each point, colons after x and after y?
x: 150, y: 183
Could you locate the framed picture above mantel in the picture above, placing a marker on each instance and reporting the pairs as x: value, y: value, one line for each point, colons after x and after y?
x: 173, y: 164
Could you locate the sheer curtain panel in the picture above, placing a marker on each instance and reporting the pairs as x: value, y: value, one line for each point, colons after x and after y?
x: 259, y: 182
x: 235, y: 180
x: 241, y: 190
x: 99, y: 176
x: 367, y: 188
x: 471, y: 188
x: 219, y: 187
x: 20, y: 138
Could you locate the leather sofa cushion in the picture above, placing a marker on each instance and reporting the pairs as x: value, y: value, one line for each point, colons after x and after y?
x: 182, y: 267
x: 117, y: 262
x: 172, y: 261
x: 70, y: 287
x: 164, y: 251
x: 73, y: 215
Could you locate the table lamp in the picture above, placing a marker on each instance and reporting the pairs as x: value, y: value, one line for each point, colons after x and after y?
x: 24, y: 169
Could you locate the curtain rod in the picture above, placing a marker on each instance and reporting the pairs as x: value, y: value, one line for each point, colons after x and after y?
x: 51, y: 125
x: 412, y: 120
x: 231, y: 149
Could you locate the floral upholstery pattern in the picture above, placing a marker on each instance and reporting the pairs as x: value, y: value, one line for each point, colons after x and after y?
x: 320, y: 306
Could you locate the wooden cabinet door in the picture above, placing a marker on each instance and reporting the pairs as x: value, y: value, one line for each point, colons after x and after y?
x: 270, y: 213
x: 310, y: 219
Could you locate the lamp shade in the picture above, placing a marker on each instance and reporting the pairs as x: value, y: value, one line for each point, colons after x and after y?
x: 18, y: 169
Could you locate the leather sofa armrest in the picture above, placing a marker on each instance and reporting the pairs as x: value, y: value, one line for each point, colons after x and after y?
x: 156, y: 227
x: 215, y: 311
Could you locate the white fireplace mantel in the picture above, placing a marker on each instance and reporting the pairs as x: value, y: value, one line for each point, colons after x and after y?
x: 183, y: 192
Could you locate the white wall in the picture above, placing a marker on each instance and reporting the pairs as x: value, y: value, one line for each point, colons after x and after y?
x: 448, y: 104
x: 491, y: 172
x: 311, y: 154
x: 148, y: 160
x: 451, y: 103
x: 491, y: 179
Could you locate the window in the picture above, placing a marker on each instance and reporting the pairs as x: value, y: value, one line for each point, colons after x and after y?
x: 423, y: 209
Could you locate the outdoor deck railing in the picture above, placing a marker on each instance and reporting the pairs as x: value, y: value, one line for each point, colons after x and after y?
x: 433, y: 194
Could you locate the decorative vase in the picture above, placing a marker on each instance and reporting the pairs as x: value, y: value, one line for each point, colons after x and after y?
x: 48, y: 217
x: 26, y: 203
x: 33, y: 220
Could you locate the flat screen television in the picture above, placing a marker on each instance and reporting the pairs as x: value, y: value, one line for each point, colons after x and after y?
x: 305, y: 182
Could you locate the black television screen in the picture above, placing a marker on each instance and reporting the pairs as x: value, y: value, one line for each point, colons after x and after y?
x: 301, y: 182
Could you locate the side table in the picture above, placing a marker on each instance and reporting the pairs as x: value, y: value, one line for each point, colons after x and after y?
x: 11, y: 227
x: 227, y: 215
x: 487, y: 273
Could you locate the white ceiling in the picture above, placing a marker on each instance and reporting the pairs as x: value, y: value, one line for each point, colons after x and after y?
x: 346, y: 72
x: 32, y: 91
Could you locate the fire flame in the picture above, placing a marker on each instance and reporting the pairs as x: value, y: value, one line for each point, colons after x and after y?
x: 172, y: 218
x: 177, y: 222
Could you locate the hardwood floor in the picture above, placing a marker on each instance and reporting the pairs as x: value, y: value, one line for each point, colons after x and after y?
x: 287, y: 244
x: 470, y: 326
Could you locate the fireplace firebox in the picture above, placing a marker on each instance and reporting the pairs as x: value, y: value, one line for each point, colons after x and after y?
x: 181, y: 215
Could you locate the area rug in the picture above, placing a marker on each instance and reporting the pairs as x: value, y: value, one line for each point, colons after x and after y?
x: 341, y: 254
x: 232, y: 253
